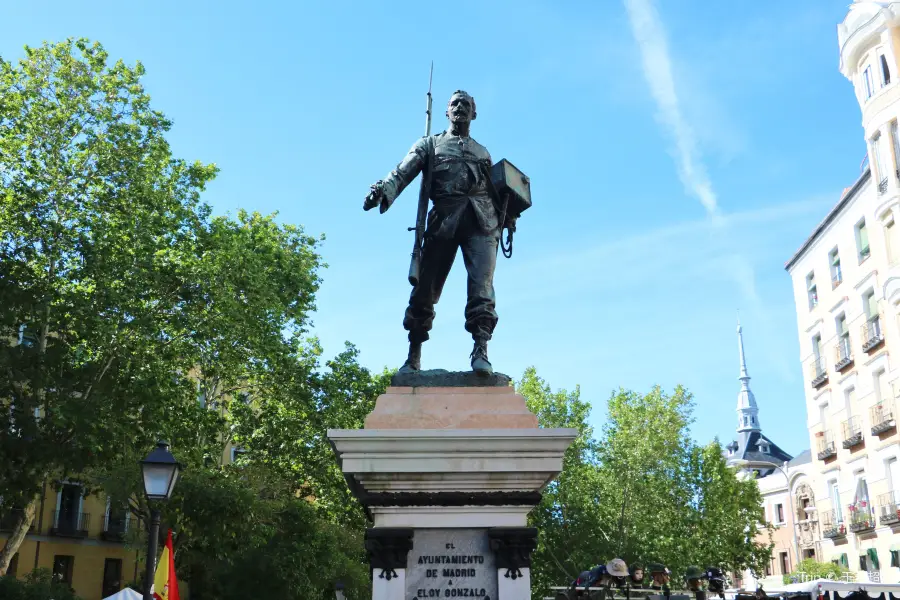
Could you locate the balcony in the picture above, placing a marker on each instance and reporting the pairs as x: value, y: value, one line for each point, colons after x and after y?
x: 888, y: 511
x: 862, y: 519
x: 115, y: 528
x: 881, y: 416
x: 872, y: 333
x: 9, y: 517
x: 882, y: 186
x: 851, y: 432
x: 825, y: 447
x: 843, y: 354
x: 818, y: 373
x: 70, y: 524
x: 832, y: 527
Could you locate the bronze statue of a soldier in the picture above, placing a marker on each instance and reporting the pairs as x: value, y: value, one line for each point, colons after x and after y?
x: 465, y: 215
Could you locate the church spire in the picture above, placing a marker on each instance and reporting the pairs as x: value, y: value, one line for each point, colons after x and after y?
x: 748, y: 412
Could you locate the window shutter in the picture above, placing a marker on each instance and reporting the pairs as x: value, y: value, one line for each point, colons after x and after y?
x: 873, y: 558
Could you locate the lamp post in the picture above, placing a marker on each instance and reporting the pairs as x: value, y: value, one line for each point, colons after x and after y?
x: 744, y: 464
x: 160, y: 471
x: 339, y: 590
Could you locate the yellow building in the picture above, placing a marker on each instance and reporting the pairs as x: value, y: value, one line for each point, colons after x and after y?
x: 81, y: 539
x: 846, y: 280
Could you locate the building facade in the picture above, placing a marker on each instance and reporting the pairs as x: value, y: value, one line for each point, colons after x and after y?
x: 81, y: 539
x: 846, y: 282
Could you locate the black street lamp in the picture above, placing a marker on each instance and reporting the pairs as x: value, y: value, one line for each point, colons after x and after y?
x: 160, y: 471
x: 339, y: 590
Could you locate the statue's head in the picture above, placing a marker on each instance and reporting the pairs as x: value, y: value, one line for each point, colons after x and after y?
x: 461, y: 108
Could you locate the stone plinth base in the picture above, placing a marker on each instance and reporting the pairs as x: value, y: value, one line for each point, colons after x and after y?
x: 448, y: 475
x: 451, y: 408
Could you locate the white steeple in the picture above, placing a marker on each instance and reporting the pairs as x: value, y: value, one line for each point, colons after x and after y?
x: 748, y: 412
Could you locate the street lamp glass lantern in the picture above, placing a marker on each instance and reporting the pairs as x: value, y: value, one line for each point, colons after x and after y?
x: 160, y: 470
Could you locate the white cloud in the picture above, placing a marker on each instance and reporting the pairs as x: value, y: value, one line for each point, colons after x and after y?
x: 650, y: 35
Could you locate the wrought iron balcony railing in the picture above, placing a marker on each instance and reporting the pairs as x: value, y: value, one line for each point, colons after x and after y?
x: 881, y: 415
x: 861, y: 517
x: 888, y: 511
x: 70, y: 524
x: 836, y: 278
x: 818, y: 373
x: 825, y: 445
x: 882, y: 186
x: 832, y: 527
x: 872, y: 333
x: 115, y: 528
x: 843, y: 354
x: 851, y: 432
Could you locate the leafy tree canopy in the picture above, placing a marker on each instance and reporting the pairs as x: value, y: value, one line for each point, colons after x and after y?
x: 642, y: 490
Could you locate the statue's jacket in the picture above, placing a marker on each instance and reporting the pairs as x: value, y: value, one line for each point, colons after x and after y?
x: 457, y: 182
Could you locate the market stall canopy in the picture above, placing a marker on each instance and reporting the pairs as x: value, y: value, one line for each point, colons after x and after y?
x: 126, y: 594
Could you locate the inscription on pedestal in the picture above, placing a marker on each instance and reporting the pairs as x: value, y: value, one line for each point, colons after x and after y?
x: 451, y: 563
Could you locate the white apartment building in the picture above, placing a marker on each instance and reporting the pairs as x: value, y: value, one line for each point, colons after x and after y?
x: 846, y: 280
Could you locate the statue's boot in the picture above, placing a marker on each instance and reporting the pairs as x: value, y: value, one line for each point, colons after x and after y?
x: 480, y: 363
x: 414, y: 360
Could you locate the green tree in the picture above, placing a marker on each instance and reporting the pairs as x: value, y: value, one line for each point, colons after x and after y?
x: 812, y: 569
x: 38, y: 585
x: 574, y: 516
x: 643, y: 491
x: 128, y: 297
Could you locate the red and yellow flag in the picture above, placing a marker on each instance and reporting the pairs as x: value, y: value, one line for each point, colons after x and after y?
x: 165, y: 583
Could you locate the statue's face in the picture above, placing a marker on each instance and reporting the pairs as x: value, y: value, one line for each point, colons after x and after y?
x: 638, y: 575
x: 460, y: 109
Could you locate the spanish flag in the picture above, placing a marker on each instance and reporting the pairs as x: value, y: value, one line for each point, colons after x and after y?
x: 165, y: 584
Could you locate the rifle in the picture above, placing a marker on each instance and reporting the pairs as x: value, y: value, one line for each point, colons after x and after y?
x: 415, y: 262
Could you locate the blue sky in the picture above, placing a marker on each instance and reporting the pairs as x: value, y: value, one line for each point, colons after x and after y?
x: 679, y: 153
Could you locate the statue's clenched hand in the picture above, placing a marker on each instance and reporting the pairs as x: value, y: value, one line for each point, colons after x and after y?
x: 375, y: 196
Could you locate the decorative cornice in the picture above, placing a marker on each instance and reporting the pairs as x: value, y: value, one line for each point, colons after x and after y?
x: 865, y: 280
x: 511, y: 498
x: 512, y: 547
x: 388, y: 549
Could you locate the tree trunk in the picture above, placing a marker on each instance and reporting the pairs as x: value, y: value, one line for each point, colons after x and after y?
x: 23, y: 523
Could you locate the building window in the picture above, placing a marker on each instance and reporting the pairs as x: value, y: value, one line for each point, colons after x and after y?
x: 112, y: 577
x: 62, y: 568
x: 880, y: 163
x: 201, y: 395
x: 867, y: 82
x: 834, y: 260
x: 236, y: 453
x: 885, y: 71
x: 895, y: 558
x: 843, y: 333
x: 870, y: 305
x: 890, y: 471
x: 811, y: 293
x: 768, y: 569
x: 863, y: 563
x: 836, y: 502
x: 862, y: 240
x: 779, y: 514
x: 785, y: 565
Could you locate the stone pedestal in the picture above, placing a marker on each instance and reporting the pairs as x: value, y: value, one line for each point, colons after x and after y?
x: 448, y: 475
